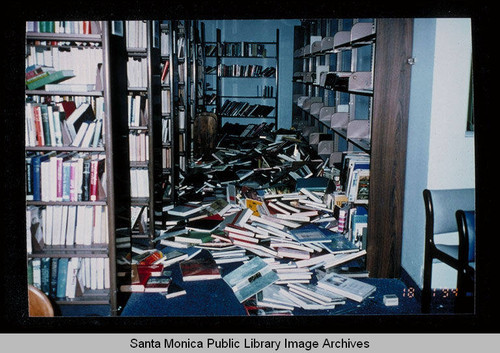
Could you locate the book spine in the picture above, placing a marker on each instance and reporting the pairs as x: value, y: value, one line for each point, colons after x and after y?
x: 36, y: 165
x: 60, y: 179
x: 93, y: 180
x: 53, y: 276
x: 62, y: 272
x: 86, y: 181
x: 45, y: 124
x: 45, y: 275
x: 66, y: 180
x: 38, y: 126
x: 72, y: 182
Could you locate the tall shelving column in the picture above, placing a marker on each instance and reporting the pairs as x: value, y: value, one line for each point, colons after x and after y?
x: 168, y: 83
x: 69, y: 229
x: 143, y: 119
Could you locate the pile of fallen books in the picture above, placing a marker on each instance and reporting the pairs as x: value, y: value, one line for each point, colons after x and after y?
x: 265, y: 203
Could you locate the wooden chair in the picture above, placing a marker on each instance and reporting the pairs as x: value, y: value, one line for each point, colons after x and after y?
x: 440, y: 218
x: 39, y: 303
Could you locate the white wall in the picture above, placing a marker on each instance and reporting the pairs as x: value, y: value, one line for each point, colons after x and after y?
x: 440, y: 153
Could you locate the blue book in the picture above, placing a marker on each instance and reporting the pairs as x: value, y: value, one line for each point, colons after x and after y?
x: 314, y: 184
x: 339, y: 244
x: 54, y: 263
x: 62, y: 273
x: 45, y: 275
x: 311, y: 233
x: 36, y: 163
x: 66, y: 174
x: 250, y: 278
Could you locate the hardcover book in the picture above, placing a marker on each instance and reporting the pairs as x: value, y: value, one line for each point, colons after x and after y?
x: 174, y: 290
x: 156, y: 284
x: 250, y: 278
x: 311, y: 233
x: 199, y: 268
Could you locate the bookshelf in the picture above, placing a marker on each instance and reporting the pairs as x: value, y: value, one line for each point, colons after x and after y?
x: 243, y: 81
x: 75, y: 183
x: 144, y: 123
x: 343, y: 97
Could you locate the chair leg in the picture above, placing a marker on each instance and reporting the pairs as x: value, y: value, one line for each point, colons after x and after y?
x: 464, y: 303
x: 426, y: 287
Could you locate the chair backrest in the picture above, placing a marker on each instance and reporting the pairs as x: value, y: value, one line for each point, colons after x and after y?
x: 466, y: 221
x: 39, y: 303
x: 441, y: 206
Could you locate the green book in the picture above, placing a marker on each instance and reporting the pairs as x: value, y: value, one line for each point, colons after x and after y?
x: 54, y: 77
x: 193, y: 237
x: 62, y: 271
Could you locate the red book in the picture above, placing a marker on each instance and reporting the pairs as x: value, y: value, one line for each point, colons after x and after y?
x: 96, y: 170
x: 165, y: 70
x: 157, y: 284
x: 151, y: 258
x: 198, y: 269
x: 137, y: 285
x: 68, y: 107
x: 153, y: 270
x: 37, y: 114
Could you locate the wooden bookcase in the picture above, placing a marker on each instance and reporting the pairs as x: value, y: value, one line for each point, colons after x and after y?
x: 105, y: 45
x: 375, y: 51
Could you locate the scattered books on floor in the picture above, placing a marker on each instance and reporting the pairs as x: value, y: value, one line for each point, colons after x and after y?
x: 264, y: 203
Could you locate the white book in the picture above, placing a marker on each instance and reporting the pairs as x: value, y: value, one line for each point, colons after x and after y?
x: 315, y: 260
x: 72, y: 277
x: 98, y: 225
x: 80, y: 134
x: 266, y: 222
x: 311, y: 195
x: 70, y: 226
x: 107, y: 278
x: 89, y: 135
x: 100, y: 272
x: 342, y: 258
x: 80, y: 225
x: 93, y: 273
x: 49, y: 224
x: 88, y: 225
x: 345, y: 286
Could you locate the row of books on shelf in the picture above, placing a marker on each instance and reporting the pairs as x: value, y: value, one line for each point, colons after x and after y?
x: 62, y: 124
x: 65, y: 226
x: 136, y: 34
x: 166, y: 105
x: 166, y: 158
x: 64, y: 27
x: 137, y: 110
x: 68, y: 278
x: 236, y: 70
x: 54, y: 65
x: 138, y: 146
x: 236, y: 49
x: 137, y: 72
x: 235, y: 108
x: 165, y: 49
x: 65, y: 176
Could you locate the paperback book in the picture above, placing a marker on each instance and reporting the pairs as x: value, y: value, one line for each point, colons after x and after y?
x: 345, y: 286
